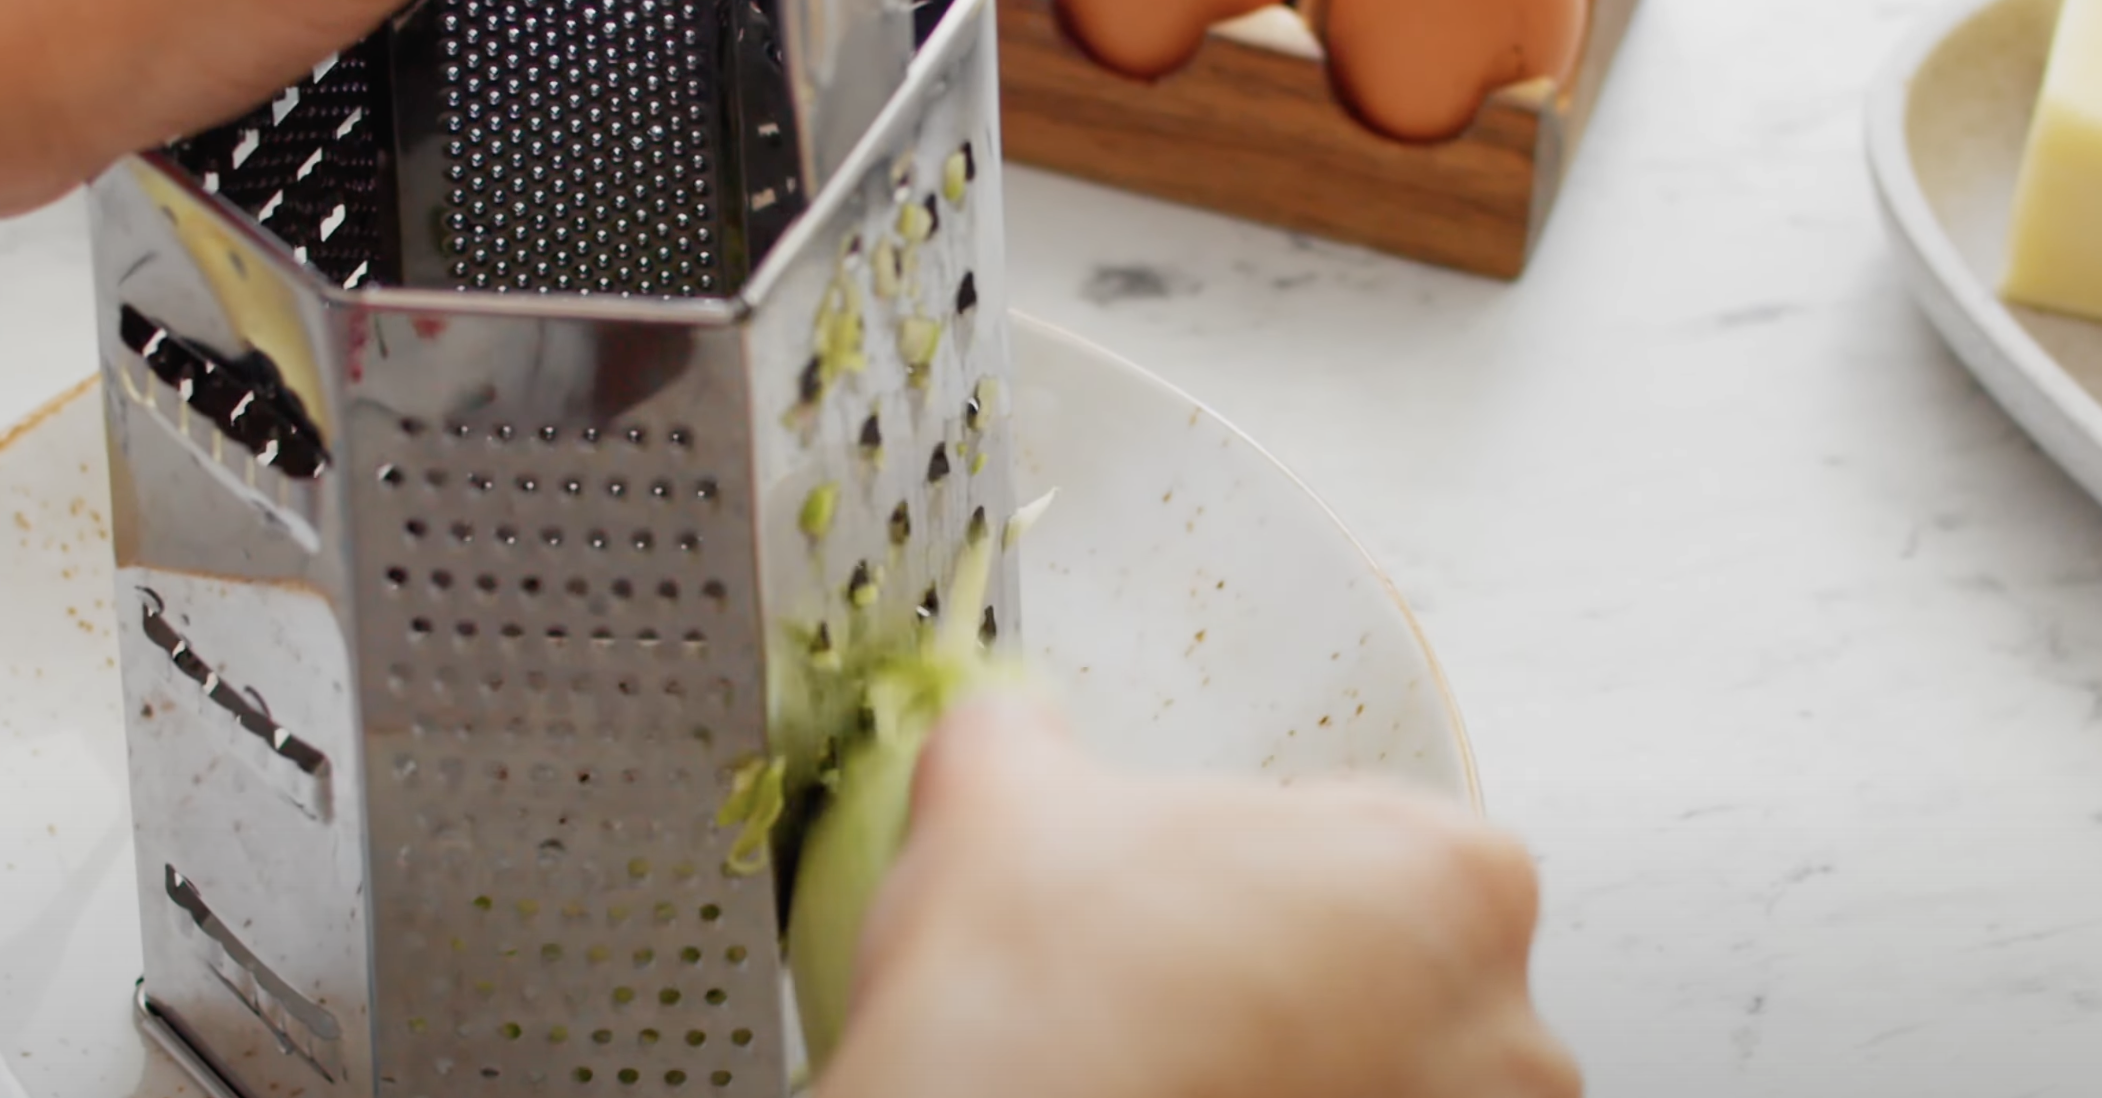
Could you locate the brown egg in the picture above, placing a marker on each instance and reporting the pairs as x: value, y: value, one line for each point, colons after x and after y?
x: 1419, y: 70
x: 1147, y: 39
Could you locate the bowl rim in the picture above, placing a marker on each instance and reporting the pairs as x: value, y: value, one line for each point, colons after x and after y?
x: 1462, y: 741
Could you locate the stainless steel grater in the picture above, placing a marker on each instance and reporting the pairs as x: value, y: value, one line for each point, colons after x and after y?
x: 506, y: 424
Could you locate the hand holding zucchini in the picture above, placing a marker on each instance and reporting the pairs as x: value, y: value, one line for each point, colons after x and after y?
x: 861, y: 823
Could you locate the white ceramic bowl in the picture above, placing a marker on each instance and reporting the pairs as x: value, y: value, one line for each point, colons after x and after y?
x: 1948, y: 120
x: 1205, y: 611
x: 1202, y: 607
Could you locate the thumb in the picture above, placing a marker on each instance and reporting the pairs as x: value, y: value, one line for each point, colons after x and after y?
x: 985, y: 754
x: 1003, y: 743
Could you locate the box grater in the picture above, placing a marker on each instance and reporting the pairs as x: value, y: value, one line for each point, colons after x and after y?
x: 506, y: 425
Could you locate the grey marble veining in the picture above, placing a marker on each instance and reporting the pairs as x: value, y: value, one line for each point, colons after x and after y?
x: 1780, y: 642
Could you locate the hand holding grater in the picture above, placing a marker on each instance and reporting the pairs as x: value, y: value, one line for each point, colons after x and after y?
x: 469, y: 407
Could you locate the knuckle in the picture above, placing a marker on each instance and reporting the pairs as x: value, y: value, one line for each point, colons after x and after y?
x: 1551, y: 1071
x: 1498, y: 863
x: 1490, y: 877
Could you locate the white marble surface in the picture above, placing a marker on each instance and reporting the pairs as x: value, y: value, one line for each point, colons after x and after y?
x: 1778, y: 639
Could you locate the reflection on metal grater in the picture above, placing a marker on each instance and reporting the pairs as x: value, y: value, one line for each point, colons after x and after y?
x: 468, y: 404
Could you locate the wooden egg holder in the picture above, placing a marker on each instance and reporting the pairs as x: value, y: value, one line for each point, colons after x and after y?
x: 1258, y: 133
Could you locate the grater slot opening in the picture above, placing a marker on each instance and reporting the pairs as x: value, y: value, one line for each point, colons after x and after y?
x: 288, y: 765
x: 926, y: 16
x: 302, y: 1027
x: 245, y: 398
x: 247, y: 707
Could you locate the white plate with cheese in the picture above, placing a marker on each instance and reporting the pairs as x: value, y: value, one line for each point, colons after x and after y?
x: 1949, y: 122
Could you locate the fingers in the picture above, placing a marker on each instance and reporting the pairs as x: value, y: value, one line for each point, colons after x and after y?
x: 146, y: 71
x: 984, y: 757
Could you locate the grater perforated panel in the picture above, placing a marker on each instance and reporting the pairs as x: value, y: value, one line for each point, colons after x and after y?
x: 546, y: 732
x: 578, y: 144
x: 461, y: 613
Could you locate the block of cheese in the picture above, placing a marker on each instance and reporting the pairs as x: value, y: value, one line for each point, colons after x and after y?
x: 2055, y: 249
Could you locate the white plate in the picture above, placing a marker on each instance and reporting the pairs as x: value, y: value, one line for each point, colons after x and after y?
x: 1206, y: 612
x: 1948, y: 120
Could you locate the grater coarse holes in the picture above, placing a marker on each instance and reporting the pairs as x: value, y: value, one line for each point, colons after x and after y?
x: 464, y: 403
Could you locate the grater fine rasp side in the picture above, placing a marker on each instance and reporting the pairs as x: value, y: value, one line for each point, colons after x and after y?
x: 448, y: 619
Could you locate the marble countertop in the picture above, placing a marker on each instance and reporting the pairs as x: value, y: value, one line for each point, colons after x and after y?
x: 1777, y: 638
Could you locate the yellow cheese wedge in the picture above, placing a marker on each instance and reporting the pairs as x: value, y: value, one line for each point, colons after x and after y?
x: 2055, y: 249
